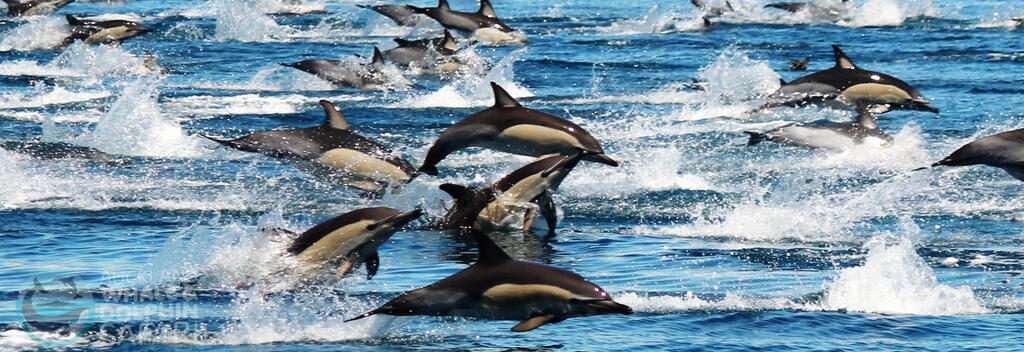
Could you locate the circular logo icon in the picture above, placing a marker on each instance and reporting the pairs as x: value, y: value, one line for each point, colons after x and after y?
x: 55, y: 314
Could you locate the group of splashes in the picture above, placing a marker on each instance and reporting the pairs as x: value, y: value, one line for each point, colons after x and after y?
x: 498, y: 287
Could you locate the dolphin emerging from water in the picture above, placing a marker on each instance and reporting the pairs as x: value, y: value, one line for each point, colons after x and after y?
x: 836, y: 136
x: 349, y: 240
x: 847, y: 86
x: 347, y: 74
x: 501, y: 288
x: 509, y: 127
x: 403, y: 15
x: 333, y: 152
x: 1003, y: 150
x: 17, y: 8
x: 433, y: 54
x: 486, y: 209
x: 483, y: 24
x: 102, y: 32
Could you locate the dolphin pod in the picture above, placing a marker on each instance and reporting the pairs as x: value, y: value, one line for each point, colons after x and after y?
x: 482, y: 24
x: 333, y: 152
x: 501, y: 288
x: 17, y: 8
x: 509, y: 127
x: 347, y: 74
x: 102, y: 32
x: 846, y: 86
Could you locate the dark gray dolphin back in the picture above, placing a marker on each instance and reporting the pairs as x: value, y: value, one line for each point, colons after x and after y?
x: 1004, y: 149
x: 314, y: 234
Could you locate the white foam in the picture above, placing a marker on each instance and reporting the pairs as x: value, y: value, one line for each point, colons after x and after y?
x: 135, y: 125
x: 237, y: 21
x: 668, y: 304
x: 40, y: 32
x: 469, y: 91
x: 245, y: 104
x: 656, y: 22
x: 875, y: 13
x: 56, y: 96
x: 895, y: 280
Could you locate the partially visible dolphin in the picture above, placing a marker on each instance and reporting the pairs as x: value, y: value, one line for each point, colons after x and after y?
x: 17, y: 8
x: 343, y: 243
x: 711, y: 10
x: 483, y: 24
x: 1003, y: 150
x: 500, y: 288
x: 847, y: 86
x: 509, y: 127
x: 102, y: 32
x: 787, y: 6
x: 59, y: 150
x: 797, y: 65
x: 486, y: 209
x: 432, y: 54
x: 835, y: 136
x: 333, y: 152
x: 403, y: 15
x: 347, y: 74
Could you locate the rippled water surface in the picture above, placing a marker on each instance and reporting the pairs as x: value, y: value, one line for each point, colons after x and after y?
x: 715, y: 244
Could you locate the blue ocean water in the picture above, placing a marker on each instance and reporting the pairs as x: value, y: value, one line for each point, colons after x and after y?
x: 716, y: 245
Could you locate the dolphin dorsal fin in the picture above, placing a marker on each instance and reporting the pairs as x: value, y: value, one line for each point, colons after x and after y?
x: 458, y: 192
x: 502, y: 98
x: 333, y: 116
x: 449, y: 41
x: 378, y: 58
x: 490, y: 253
x: 842, y: 61
x: 782, y: 82
x: 443, y: 4
x: 486, y: 9
x: 72, y: 20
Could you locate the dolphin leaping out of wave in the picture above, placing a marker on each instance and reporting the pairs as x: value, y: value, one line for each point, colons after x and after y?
x: 847, y: 86
x: 403, y: 15
x: 835, y: 137
x: 102, y: 32
x: 1003, y: 150
x: 500, y: 288
x: 483, y: 24
x: 333, y: 152
x: 347, y: 74
x: 17, y: 8
x: 509, y: 127
x: 434, y: 54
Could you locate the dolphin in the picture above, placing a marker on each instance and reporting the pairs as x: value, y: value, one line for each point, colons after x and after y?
x: 17, y: 8
x: 348, y: 240
x: 501, y: 288
x: 346, y: 74
x: 509, y: 127
x: 486, y: 209
x: 60, y: 150
x: 102, y: 32
x: 483, y: 24
x: 797, y: 65
x: 333, y: 152
x: 432, y: 53
x: 1003, y: 150
x: 846, y: 86
x: 711, y: 10
x: 403, y: 15
x: 836, y: 136
x: 787, y: 6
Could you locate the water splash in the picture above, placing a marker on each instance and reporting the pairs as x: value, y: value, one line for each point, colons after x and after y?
x: 656, y: 22
x: 471, y: 91
x: 40, y: 32
x: 236, y: 21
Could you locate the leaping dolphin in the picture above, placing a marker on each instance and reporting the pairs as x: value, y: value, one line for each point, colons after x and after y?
x: 501, y: 288
x: 17, y: 8
x: 847, y: 86
x: 483, y: 24
x: 349, y: 240
x: 347, y: 74
x: 509, y: 127
x: 486, y: 209
x: 403, y: 15
x: 333, y: 152
x: 102, y: 32
x: 1003, y: 150
x: 836, y: 136
x: 432, y: 54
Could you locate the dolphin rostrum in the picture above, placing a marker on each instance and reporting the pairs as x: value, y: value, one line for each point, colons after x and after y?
x: 349, y: 240
x: 331, y: 151
x: 847, y: 86
x: 500, y: 288
x: 509, y: 127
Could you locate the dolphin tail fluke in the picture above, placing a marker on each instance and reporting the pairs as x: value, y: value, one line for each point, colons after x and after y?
x: 755, y: 137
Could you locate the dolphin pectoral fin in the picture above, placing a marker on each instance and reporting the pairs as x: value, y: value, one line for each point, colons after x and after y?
x: 547, y: 209
x: 532, y: 323
x: 372, y: 263
x: 562, y: 163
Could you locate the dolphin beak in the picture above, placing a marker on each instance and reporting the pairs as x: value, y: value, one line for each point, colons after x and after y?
x: 408, y: 216
x: 143, y: 29
x: 924, y: 106
x: 611, y: 307
x: 601, y: 158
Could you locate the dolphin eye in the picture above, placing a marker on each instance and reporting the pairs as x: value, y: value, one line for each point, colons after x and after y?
x: 876, y: 77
